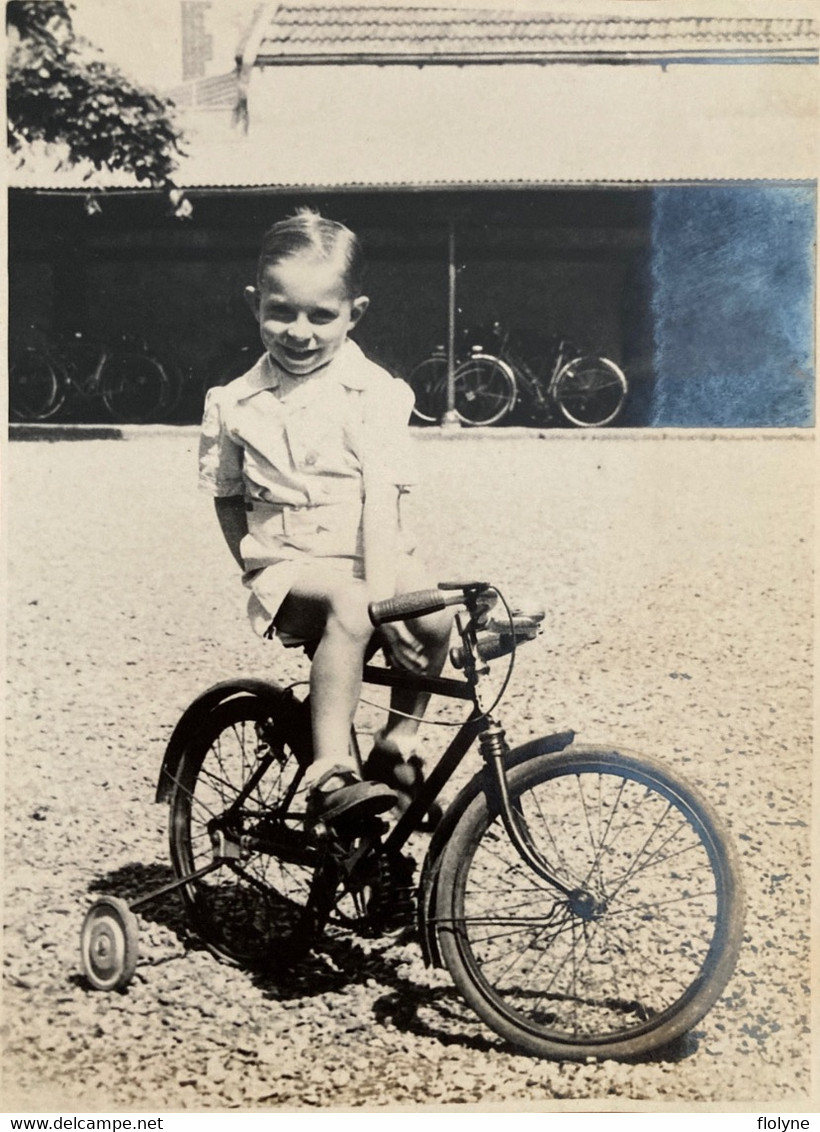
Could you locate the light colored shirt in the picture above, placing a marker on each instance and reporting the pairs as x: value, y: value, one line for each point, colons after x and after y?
x: 304, y: 441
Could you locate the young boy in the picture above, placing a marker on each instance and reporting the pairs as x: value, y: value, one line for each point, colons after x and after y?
x: 307, y: 456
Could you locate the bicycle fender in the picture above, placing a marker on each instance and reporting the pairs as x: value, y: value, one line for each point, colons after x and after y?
x: 200, y: 708
x: 478, y: 784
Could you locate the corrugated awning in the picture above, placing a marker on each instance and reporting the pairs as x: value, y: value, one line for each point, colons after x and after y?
x: 392, y: 127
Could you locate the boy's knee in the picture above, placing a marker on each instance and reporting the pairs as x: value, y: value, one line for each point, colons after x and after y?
x: 434, y: 629
x: 348, y: 609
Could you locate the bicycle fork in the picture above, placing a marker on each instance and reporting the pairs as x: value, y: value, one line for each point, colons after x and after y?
x: 494, y: 748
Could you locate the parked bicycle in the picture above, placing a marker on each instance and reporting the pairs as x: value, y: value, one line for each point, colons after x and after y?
x: 586, y: 901
x: 45, y: 376
x: 548, y: 377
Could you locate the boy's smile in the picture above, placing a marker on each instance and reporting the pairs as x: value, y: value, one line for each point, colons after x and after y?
x: 304, y: 311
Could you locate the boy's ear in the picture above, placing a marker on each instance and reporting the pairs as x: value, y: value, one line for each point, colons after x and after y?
x: 252, y: 299
x: 358, y: 308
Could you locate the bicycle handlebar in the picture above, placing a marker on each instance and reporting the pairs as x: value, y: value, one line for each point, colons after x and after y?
x: 415, y: 604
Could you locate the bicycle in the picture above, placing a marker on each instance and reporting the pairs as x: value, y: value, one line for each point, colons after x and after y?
x: 552, y: 378
x: 133, y: 385
x: 586, y: 901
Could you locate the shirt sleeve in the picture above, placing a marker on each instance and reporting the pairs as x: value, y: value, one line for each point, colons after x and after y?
x: 220, y: 458
x: 388, y: 449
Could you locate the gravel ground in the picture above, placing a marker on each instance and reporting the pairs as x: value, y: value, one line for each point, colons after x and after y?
x: 677, y: 574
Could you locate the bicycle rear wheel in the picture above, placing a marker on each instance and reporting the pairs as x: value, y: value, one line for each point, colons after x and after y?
x: 485, y: 390
x: 429, y: 384
x: 645, y: 942
x: 134, y: 388
x: 234, y: 797
x: 590, y: 392
x: 36, y: 391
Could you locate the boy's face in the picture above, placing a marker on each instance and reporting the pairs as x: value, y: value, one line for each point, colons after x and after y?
x: 304, y: 311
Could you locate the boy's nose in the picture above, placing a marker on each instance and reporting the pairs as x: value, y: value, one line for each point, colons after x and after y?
x: 300, y: 330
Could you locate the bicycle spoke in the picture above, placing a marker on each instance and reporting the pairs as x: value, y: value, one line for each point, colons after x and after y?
x: 236, y: 783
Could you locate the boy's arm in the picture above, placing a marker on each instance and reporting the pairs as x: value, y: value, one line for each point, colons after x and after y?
x: 233, y: 520
x: 380, y: 529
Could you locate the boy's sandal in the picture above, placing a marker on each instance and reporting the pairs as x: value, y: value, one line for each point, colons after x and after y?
x: 404, y: 776
x: 340, y: 792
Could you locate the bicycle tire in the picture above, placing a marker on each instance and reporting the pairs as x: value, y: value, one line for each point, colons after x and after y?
x: 37, y: 390
x: 429, y: 384
x: 485, y: 390
x: 590, y: 392
x: 253, y: 911
x: 172, y: 391
x: 134, y: 387
x: 562, y: 979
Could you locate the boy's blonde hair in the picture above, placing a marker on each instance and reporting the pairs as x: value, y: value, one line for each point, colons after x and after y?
x: 307, y: 230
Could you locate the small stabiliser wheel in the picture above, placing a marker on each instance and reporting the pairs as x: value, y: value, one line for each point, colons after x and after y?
x: 590, y: 392
x: 640, y: 940
x: 109, y: 944
x: 485, y: 390
x: 429, y: 384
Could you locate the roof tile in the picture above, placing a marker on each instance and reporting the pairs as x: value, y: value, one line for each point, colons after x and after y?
x: 300, y: 29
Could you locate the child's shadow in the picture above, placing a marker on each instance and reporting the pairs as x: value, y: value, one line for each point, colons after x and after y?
x: 338, y: 963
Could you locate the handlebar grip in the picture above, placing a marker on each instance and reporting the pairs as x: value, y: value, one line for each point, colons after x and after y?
x: 414, y: 604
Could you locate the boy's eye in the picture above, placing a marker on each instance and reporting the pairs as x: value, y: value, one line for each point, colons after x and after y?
x: 280, y: 313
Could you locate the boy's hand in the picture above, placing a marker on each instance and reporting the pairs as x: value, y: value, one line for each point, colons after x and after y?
x: 402, y: 647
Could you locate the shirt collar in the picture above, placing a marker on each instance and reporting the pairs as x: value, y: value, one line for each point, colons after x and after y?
x: 345, y: 368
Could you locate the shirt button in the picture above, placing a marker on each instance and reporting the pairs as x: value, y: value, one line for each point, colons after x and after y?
x: 310, y: 459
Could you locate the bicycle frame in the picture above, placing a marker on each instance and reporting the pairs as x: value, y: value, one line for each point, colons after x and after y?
x: 498, y: 757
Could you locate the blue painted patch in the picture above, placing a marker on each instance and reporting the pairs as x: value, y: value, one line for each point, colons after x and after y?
x: 733, y: 305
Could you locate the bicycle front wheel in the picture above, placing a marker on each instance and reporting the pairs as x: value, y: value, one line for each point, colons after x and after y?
x: 429, y: 384
x: 134, y: 388
x: 36, y: 391
x: 590, y: 392
x: 485, y: 390
x: 645, y: 941
x: 234, y: 798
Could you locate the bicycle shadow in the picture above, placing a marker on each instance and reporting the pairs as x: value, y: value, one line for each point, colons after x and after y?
x: 338, y: 962
x: 412, y: 1007
x: 133, y: 882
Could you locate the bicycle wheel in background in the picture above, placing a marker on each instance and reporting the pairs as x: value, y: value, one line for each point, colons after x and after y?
x: 429, y: 384
x: 134, y: 388
x: 36, y: 388
x: 172, y: 390
x: 234, y: 794
x: 647, y: 938
x: 590, y: 391
x: 485, y: 390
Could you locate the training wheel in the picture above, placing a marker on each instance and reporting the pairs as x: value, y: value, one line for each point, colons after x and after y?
x: 109, y: 944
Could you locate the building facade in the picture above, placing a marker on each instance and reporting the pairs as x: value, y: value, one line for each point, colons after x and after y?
x: 644, y: 186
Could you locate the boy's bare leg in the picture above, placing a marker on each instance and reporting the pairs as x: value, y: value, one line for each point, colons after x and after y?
x: 336, y: 612
x: 433, y: 632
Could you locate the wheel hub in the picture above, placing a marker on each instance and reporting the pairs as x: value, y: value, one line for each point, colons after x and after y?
x: 584, y: 905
